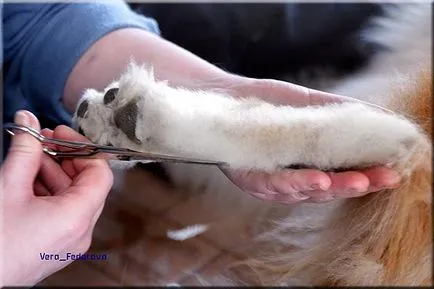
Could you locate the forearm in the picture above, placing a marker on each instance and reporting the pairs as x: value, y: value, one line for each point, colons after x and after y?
x: 108, y: 58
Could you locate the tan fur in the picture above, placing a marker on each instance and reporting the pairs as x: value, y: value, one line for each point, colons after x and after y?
x: 384, y: 238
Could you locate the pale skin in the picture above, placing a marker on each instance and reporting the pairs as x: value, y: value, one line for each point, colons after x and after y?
x: 76, y: 190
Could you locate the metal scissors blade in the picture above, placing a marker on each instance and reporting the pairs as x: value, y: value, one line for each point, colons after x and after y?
x: 90, y: 150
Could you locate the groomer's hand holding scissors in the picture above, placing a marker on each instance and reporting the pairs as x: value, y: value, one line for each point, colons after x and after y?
x: 48, y: 208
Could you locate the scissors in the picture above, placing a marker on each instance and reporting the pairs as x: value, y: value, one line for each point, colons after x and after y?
x: 90, y: 150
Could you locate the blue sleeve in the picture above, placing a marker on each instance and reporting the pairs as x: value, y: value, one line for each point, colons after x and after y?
x: 43, y: 42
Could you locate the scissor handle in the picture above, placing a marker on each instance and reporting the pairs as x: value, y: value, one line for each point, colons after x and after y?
x: 78, y: 148
x: 47, y: 140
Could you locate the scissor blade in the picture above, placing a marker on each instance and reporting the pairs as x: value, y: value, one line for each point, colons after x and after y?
x: 130, y: 155
x: 90, y: 150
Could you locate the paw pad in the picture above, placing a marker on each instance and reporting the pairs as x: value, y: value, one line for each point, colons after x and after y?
x: 110, y: 95
x: 80, y: 131
x: 82, y: 109
x: 126, y: 120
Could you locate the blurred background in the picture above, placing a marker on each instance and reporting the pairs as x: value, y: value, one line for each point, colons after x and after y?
x: 286, y: 41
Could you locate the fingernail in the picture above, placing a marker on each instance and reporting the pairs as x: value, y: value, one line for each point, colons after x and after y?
x: 257, y: 194
x: 299, y: 196
x: 22, y: 118
x: 270, y: 192
x: 260, y: 195
x: 326, y: 198
x: 376, y: 189
x: 315, y: 187
x: 354, y: 191
x: 395, y: 185
x: 395, y: 180
x: 318, y: 187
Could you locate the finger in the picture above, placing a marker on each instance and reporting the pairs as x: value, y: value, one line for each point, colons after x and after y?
x: 92, y: 184
x: 50, y: 134
x: 67, y: 133
x: 40, y: 190
x: 344, y: 185
x: 291, y: 181
x: 93, y: 178
x: 53, y: 176
x: 349, y: 184
x: 24, y: 157
x: 66, y: 165
x: 276, y: 198
x: 250, y: 181
x: 47, y: 132
x: 381, y: 178
x: 68, y: 168
x: 52, y: 173
x: 287, y: 182
x: 71, y: 167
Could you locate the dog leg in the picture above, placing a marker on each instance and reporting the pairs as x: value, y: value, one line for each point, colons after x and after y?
x: 141, y: 113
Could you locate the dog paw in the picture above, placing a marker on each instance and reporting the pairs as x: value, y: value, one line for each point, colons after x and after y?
x: 104, y: 121
x: 122, y: 115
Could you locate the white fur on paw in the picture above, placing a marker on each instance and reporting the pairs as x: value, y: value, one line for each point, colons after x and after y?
x: 148, y: 115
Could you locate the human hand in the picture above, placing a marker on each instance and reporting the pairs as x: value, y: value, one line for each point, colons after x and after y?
x: 291, y: 186
x: 48, y: 207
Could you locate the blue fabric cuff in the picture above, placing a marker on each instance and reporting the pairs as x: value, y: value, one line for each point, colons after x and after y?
x: 66, y: 32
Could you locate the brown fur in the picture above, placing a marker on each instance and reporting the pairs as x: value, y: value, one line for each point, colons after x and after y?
x: 384, y: 238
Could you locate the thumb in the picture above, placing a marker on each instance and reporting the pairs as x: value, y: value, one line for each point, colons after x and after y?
x: 24, y: 156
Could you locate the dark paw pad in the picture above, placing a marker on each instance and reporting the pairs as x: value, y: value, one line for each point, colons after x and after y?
x: 110, y: 95
x: 80, y: 130
x: 126, y: 120
x: 82, y: 109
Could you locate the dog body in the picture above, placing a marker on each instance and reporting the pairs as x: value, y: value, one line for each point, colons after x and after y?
x: 380, y: 239
x: 384, y: 238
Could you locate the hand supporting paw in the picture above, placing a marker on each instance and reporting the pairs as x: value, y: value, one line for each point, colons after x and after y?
x: 295, y: 186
